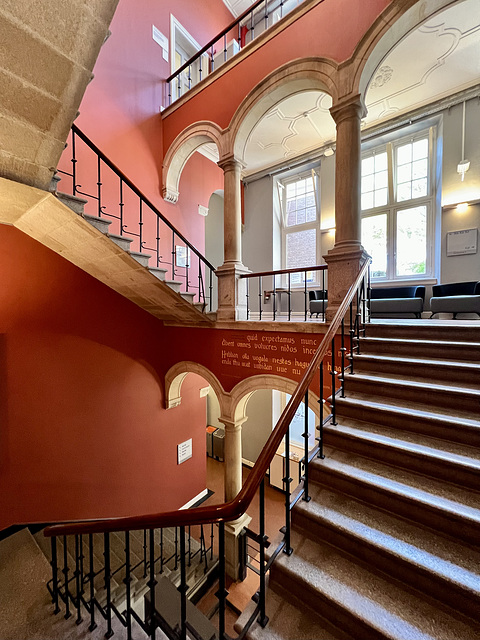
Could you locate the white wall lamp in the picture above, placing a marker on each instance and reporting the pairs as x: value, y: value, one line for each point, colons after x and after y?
x: 464, y: 165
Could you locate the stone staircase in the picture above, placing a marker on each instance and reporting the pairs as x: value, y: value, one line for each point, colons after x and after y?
x: 388, y: 545
x: 102, y: 224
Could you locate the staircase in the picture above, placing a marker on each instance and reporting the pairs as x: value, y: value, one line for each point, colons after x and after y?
x: 388, y: 545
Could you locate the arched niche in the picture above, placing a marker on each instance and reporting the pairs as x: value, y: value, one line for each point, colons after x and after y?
x: 184, y: 145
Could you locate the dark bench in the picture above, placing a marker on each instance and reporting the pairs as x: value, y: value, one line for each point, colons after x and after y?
x: 318, y: 301
x: 456, y: 297
x: 397, y: 300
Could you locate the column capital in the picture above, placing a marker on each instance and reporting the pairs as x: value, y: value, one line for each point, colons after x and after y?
x: 230, y: 163
x: 232, y: 425
x: 350, y: 107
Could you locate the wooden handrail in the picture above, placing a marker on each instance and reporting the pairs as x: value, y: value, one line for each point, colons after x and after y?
x: 278, y: 272
x: 238, y: 506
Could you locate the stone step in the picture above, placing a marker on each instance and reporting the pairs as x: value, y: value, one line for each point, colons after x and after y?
x: 287, y: 621
x: 158, y: 273
x: 437, y: 566
x: 142, y: 258
x: 441, y: 506
x: 188, y: 296
x: 411, y: 417
x: 122, y: 241
x: 443, y: 460
x: 75, y: 203
x: 440, y: 330
x: 99, y: 223
x: 420, y: 391
x: 427, y: 368
x: 174, y: 284
x: 361, y: 601
x: 444, y: 350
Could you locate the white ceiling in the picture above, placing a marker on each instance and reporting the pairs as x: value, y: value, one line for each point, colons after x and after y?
x: 437, y: 59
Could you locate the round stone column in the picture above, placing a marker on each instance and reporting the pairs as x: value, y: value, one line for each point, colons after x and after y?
x: 347, y: 256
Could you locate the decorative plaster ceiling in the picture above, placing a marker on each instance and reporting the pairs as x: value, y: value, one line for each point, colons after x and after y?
x: 439, y: 58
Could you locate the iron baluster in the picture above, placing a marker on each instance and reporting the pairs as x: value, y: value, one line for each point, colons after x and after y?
x: 289, y: 299
x: 306, y: 435
x: 252, y: 28
x: 91, y: 577
x: 127, y: 582
x: 183, y: 587
x: 325, y: 297
x: 161, y: 550
x: 281, y: 8
x: 65, y: 578
x: 170, y: 92
x: 262, y: 618
x: 189, y: 546
x: 158, y: 242
x: 305, y: 293
x: 248, y: 298
x: 211, y: 290
x: 260, y: 287
x: 211, y: 541
x: 342, y: 350
x: 332, y: 373
x: 144, y: 553
x: 187, y: 266
x: 322, y: 404
x: 121, y: 206
x: 74, y: 164
x: 225, y: 48
x: 140, y: 224
x: 212, y: 58
x: 99, y: 186
x: 266, y: 15
x: 222, y: 593
x: 151, y: 584
x: 176, y: 548
x: 77, y: 581
x: 286, y: 483
x: 54, y: 565
x: 274, y: 297
x: 189, y: 76
x: 173, y: 256
x: 108, y: 576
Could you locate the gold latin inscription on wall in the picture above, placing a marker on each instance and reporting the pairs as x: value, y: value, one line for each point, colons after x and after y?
x: 259, y: 352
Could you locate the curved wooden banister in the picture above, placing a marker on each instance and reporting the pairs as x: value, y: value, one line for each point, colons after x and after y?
x: 236, y: 507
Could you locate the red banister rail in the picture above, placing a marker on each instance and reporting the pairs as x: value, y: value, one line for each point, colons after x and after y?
x: 238, y: 506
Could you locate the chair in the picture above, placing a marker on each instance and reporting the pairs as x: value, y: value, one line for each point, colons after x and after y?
x: 456, y: 297
x: 318, y: 301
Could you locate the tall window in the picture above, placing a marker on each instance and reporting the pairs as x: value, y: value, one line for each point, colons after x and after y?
x: 299, y: 201
x: 397, y: 208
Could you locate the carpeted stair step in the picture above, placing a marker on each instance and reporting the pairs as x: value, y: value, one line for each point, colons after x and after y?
x: 427, y: 561
x: 452, y: 462
x: 425, y: 393
x: 446, y: 350
x: 409, y: 416
x: 289, y: 622
x: 440, y: 370
x: 442, y: 506
x: 362, y: 602
x: 439, y: 330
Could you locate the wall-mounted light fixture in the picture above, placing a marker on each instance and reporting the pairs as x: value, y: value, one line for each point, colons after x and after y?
x: 464, y: 165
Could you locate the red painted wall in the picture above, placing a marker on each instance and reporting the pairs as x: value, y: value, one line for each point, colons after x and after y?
x: 332, y: 29
x: 84, y: 430
x: 120, y: 111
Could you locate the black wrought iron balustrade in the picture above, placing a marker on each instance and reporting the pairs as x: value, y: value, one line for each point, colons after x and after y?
x: 112, y: 198
x: 243, y: 30
x: 287, y: 294
x: 325, y: 378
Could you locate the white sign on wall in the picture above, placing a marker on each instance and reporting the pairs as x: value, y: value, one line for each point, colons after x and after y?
x: 461, y: 242
x: 184, y: 451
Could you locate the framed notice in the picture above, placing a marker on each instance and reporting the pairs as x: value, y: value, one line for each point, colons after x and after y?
x: 184, y: 451
x: 462, y: 242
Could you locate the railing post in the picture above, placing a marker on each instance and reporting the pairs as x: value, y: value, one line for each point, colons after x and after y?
x: 127, y: 582
x: 77, y: 581
x: 183, y: 587
x: 91, y: 572
x: 151, y: 584
x: 320, y: 426
x: 108, y: 577
x: 343, y: 349
x: 260, y: 294
x: 305, y: 435
x: 74, y: 164
x: 65, y: 578
x: 248, y: 296
x: 262, y: 618
x: 54, y: 565
x: 287, y: 481
x: 222, y: 592
x: 332, y: 373
x: 99, y: 186
x: 121, y: 206
x: 306, y: 297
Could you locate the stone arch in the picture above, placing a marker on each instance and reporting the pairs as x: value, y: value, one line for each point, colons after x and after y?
x: 242, y: 392
x: 184, y: 145
x: 398, y: 19
x: 295, y: 77
x: 177, y: 374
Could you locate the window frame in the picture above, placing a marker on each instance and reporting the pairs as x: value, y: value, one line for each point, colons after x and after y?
x: 393, y: 206
x: 313, y: 172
